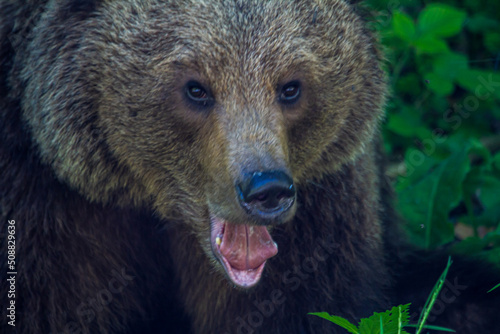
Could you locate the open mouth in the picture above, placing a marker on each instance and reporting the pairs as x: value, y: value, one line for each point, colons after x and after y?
x: 242, y: 249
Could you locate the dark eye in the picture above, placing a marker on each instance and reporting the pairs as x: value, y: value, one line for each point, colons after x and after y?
x: 197, y: 94
x: 290, y: 93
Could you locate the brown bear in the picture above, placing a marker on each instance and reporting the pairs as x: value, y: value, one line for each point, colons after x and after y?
x: 202, y: 166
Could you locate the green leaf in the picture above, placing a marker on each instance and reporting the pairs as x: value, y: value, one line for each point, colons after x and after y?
x: 496, y: 287
x: 426, y: 204
x: 407, y: 122
x: 481, y: 23
x: 492, y: 41
x: 391, y: 321
x: 496, y: 162
x: 438, y: 84
x: 430, y: 45
x: 403, y: 26
x: 448, y: 64
x: 432, y: 298
x: 338, y: 321
x: 440, y: 20
x: 483, y: 84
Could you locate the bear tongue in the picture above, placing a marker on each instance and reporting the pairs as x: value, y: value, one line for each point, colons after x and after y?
x: 247, y: 247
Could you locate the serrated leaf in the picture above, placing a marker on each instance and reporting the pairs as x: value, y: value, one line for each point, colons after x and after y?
x: 403, y: 26
x: 338, y: 321
x: 392, y: 321
x: 440, y: 20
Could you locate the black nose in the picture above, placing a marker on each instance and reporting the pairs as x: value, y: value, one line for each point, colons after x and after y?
x: 267, y: 193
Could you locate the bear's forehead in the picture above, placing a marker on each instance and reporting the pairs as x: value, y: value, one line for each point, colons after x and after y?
x: 239, y: 39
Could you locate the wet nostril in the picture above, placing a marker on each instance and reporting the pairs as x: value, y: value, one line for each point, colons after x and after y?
x: 267, y: 192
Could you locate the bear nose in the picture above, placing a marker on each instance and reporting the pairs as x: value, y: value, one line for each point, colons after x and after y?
x: 267, y: 194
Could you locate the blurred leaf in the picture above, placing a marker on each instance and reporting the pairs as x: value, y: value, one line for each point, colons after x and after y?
x: 481, y: 83
x: 447, y: 65
x: 403, y: 26
x: 409, y: 83
x: 481, y: 23
x: 438, y: 84
x: 430, y: 45
x: 440, y: 20
x: 407, y: 122
x: 492, y: 41
x: 496, y: 162
x: 426, y: 204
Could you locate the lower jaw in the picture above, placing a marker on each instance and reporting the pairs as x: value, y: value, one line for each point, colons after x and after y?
x: 242, y: 278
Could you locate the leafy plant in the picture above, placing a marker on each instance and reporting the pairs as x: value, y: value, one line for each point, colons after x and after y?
x: 394, y: 320
x: 443, y: 120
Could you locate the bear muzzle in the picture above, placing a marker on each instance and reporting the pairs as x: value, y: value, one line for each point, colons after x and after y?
x: 268, y: 198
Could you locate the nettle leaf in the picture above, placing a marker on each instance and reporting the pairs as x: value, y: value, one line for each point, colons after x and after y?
x: 403, y: 26
x: 426, y: 204
x: 440, y: 20
x: 338, y: 321
x: 391, y: 321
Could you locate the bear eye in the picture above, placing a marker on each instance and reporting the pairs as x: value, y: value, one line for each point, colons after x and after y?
x: 290, y: 93
x: 196, y: 93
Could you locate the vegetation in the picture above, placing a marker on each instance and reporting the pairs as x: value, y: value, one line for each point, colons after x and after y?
x: 442, y: 132
x: 394, y: 320
x: 442, y: 128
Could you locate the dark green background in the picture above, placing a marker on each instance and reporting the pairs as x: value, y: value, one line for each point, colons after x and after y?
x: 442, y: 130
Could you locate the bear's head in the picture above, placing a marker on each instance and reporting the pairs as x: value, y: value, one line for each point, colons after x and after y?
x: 213, y: 114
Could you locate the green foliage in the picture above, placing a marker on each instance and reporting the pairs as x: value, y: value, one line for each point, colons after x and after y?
x: 394, y: 320
x: 496, y: 287
x: 443, y: 120
x: 432, y: 299
x: 389, y: 322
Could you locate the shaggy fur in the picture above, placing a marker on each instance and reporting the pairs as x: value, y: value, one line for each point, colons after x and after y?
x: 111, y: 175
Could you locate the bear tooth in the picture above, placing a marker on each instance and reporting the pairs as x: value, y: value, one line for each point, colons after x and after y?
x: 218, y: 241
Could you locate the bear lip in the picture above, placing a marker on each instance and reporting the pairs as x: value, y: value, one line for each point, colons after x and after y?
x: 242, y: 249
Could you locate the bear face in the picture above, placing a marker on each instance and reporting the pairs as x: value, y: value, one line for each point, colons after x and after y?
x: 179, y: 104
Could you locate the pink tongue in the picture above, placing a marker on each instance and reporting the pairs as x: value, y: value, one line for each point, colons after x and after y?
x: 247, y: 247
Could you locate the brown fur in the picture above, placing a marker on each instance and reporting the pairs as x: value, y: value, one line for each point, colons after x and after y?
x: 106, y: 167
